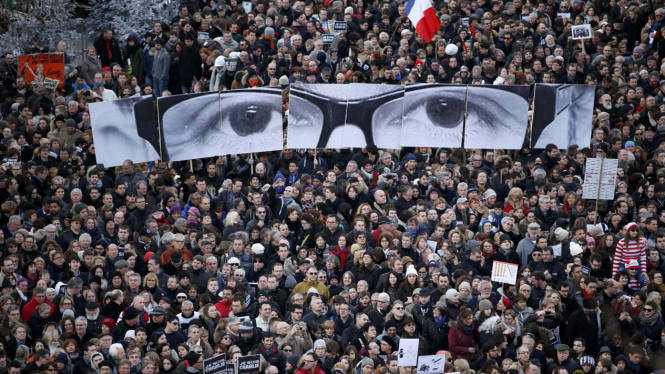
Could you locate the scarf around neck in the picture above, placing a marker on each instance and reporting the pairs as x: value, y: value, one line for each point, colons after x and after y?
x: 649, y: 321
x: 467, y: 329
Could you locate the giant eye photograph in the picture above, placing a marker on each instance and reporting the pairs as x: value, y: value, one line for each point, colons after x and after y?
x: 369, y: 117
x: 562, y: 115
x: 496, y: 116
x: 433, y: 115
x: 317, y: 113
x: 125, y: 129
x: 214, y: 124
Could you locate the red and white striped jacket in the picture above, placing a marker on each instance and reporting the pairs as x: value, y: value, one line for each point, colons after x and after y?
x: 632, y: 250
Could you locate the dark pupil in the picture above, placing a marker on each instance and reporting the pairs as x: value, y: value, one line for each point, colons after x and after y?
x: 249, y: 120
x: 446, y: 112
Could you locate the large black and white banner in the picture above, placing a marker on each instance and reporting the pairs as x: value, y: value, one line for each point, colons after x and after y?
x: 341, y: 116
x: 562, y: 115
x: 316, y: 113
x: 220, y: 123
x: 418, y: 115
x: 190, y: 126
x: 125, y: 129
x: 433, y: 115
x: 496, y: 116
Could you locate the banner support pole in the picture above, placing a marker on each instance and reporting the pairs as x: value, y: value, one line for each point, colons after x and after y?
x: 600, y: 179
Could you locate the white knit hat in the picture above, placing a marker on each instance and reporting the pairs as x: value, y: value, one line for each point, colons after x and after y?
x: 411, y: 270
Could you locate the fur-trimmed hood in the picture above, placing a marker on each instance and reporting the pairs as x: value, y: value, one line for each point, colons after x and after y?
x: 489, y: 324
x: 390, y: 315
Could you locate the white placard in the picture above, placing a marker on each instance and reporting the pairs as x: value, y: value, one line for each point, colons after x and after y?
x: 581, y: 32
x: 408, y: 352
x: 593, y: 180
x: 556, y: 250
x: 432, y: 244
x: 247, y: 5
x: 504, y: 272
x: 431, y: 364
x: 563, y: 15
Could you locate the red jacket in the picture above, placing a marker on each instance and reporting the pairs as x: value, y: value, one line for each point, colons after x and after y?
x: 315, y: 371
x: 459, y: 343
x: 32, y: 305
x: 343, y: 255
x: 224, y: 307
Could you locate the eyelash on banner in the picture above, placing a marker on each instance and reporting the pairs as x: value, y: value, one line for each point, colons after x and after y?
x: 486, y: 118
x: 245, y: 125
x: 438, y: 117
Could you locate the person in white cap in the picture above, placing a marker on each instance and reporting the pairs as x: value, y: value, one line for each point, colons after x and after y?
x: 217, y: 77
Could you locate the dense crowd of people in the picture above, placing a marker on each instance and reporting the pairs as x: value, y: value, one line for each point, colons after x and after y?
x: 320, y: 261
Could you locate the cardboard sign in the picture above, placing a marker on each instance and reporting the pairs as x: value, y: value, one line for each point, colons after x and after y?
x: 408, y: 352
x: 600, y: 185
x: 247, y: 5
x: 581, y: 32
x: 215, y: 365
x: 48, y: 68
x: 431, y: 364
x: 556, y: 250
x: 327, y: 38
x: 340, y: 25
x: 249, y: 364
x: 504, y: 272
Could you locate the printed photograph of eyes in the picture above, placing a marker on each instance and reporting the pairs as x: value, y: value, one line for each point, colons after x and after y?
x: 496, y: 115
x: 119, y: 135
x: 317, y: 113
x: 215, y: 124
x: 433, y: 115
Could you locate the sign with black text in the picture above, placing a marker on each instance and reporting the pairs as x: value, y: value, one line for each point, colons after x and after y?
x: 215, y: 365
x: 249, y: 364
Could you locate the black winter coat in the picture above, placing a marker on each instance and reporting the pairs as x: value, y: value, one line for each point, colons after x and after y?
x: 103, y: 52
x: 437, y: 337
x: 371, y: 277
x: 190, y: 65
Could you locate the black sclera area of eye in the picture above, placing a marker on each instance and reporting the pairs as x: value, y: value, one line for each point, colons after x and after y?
x: 251, y: 118
x: 445, y: 112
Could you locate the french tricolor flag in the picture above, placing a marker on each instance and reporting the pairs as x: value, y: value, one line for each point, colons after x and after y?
x: 421, y: 13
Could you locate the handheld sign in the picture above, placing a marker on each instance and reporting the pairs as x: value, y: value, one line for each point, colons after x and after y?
x: 215, y: 365
x: 408, y: 352
x: 504, y: 272
x: 581, y: 32
x: 431, y: 364
x: 230, y: 368
x: 47, y: 68
x: 249, y: 364
x: 327, y: 38
x: 340, y: 25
